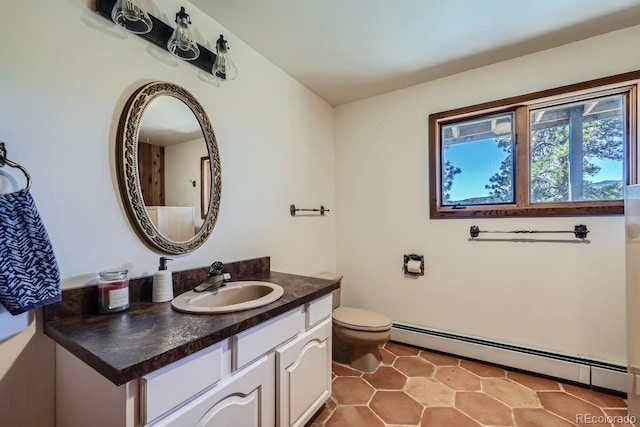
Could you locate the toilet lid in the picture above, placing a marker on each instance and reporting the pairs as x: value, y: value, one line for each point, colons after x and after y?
x: 361, y: 320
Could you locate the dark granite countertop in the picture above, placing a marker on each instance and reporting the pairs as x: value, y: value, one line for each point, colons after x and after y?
x: 148, y: 336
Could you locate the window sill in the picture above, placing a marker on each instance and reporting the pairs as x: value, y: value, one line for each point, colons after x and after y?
x: 539, y: 210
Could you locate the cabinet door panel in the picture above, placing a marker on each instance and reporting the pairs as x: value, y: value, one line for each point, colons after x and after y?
x: 304, y: 375
x: 245, y: 399
x: 240, y: 410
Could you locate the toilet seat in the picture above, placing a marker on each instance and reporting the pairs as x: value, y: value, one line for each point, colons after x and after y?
x: 361, y: 320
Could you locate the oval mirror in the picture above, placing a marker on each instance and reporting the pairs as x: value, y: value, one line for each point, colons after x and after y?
x: 168, y: 168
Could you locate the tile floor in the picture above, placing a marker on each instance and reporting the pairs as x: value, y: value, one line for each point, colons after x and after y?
x: 419, y: 388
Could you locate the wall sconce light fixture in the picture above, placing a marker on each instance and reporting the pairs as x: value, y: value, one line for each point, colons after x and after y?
x: 157, y: 32
x: 129, y: 15
x: 224, y: 68
x: 181, y: 43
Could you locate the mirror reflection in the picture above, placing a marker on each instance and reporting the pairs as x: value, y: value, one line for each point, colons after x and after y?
x: 170, y: 147
x: 168, y: 168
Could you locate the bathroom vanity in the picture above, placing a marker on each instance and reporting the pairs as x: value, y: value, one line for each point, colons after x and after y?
x: 153, y: 366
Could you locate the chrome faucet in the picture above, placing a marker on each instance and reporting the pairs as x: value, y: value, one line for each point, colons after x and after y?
x: 216, y: 278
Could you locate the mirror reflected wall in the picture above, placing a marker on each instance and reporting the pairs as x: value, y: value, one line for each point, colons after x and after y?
x: 170, y: 146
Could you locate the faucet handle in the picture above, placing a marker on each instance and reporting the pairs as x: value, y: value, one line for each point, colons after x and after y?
x: 216, y: 268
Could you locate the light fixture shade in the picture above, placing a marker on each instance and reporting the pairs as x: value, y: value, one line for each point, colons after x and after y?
x: 181, y: 43
x: 223, y: 67
x: 128, y: 15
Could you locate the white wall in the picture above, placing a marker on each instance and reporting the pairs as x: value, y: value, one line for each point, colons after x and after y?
x: 181, y: 165
x: 567, y: 298
x: 62, y: 90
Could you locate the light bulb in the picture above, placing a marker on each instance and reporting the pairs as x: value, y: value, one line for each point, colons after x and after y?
x: 128, y: 15
x: 181, y: 43
x: 223, y: 67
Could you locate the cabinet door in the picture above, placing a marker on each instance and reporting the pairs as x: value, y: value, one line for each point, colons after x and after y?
x: 304, y: 375
x: 244, y: 399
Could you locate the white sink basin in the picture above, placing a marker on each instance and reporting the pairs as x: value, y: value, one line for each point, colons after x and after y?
x: 234, y: 296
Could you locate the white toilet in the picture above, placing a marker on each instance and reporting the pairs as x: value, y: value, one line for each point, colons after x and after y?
x: 357, y: 334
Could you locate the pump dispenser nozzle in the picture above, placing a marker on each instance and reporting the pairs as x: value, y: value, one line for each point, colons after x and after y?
x: 163, y: 262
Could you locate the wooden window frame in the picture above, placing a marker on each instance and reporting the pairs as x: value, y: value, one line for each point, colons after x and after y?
x: 626, y: 83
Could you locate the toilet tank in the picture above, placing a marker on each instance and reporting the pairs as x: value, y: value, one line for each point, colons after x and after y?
x: 336, y: 293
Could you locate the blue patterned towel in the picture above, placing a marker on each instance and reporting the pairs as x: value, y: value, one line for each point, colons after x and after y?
x: 29, y: 275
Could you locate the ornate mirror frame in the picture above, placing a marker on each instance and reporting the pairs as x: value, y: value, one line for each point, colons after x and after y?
x: 128, y: 169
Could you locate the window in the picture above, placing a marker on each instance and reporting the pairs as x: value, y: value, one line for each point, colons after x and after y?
x: 477, y: 161
x: 565, y: 151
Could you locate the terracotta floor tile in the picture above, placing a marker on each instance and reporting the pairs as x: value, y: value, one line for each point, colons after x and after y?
x: 344, y: 371
x: 439, y: 359
x: 354, y: 416
x: 401, y: 350
x: 324, y: 413
x: 597, y: 398
x: 567, y: 406
x: 387, y: 357
x: 482, y: 370
x: 414, y: 366
x: 457, y: 378
x: 430, y: 392
x: 510, y: 392
x: 396, y: 407
x: 484, y: 409
x: 533, y: 382
x: 615, y: 412
x: 454, y: 394
x: 538, y: 417
x: 351, y: 391
x: 386, y: 378
x: 446, y: 417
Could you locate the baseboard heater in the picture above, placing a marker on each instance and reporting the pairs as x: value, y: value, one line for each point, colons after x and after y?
x: 592, y: 373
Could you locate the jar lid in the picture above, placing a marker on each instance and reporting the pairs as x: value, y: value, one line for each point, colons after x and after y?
x: 113, y: 274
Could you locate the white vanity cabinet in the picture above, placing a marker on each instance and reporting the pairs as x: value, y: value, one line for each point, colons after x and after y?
x: 304, y: 375
x: 245, y: 399
x: 166, y: 388
x: 277, y: 373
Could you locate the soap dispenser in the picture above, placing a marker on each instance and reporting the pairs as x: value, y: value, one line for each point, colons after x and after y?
x: 162, y: 283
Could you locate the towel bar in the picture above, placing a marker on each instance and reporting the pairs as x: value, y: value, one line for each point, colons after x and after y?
x: 580, y: 231
x: 293, y: 210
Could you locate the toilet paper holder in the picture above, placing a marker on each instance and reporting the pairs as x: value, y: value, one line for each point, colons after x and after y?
x: 414, y: 257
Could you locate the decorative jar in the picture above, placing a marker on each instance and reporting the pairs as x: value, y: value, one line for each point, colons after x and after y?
x: 113, y: 291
